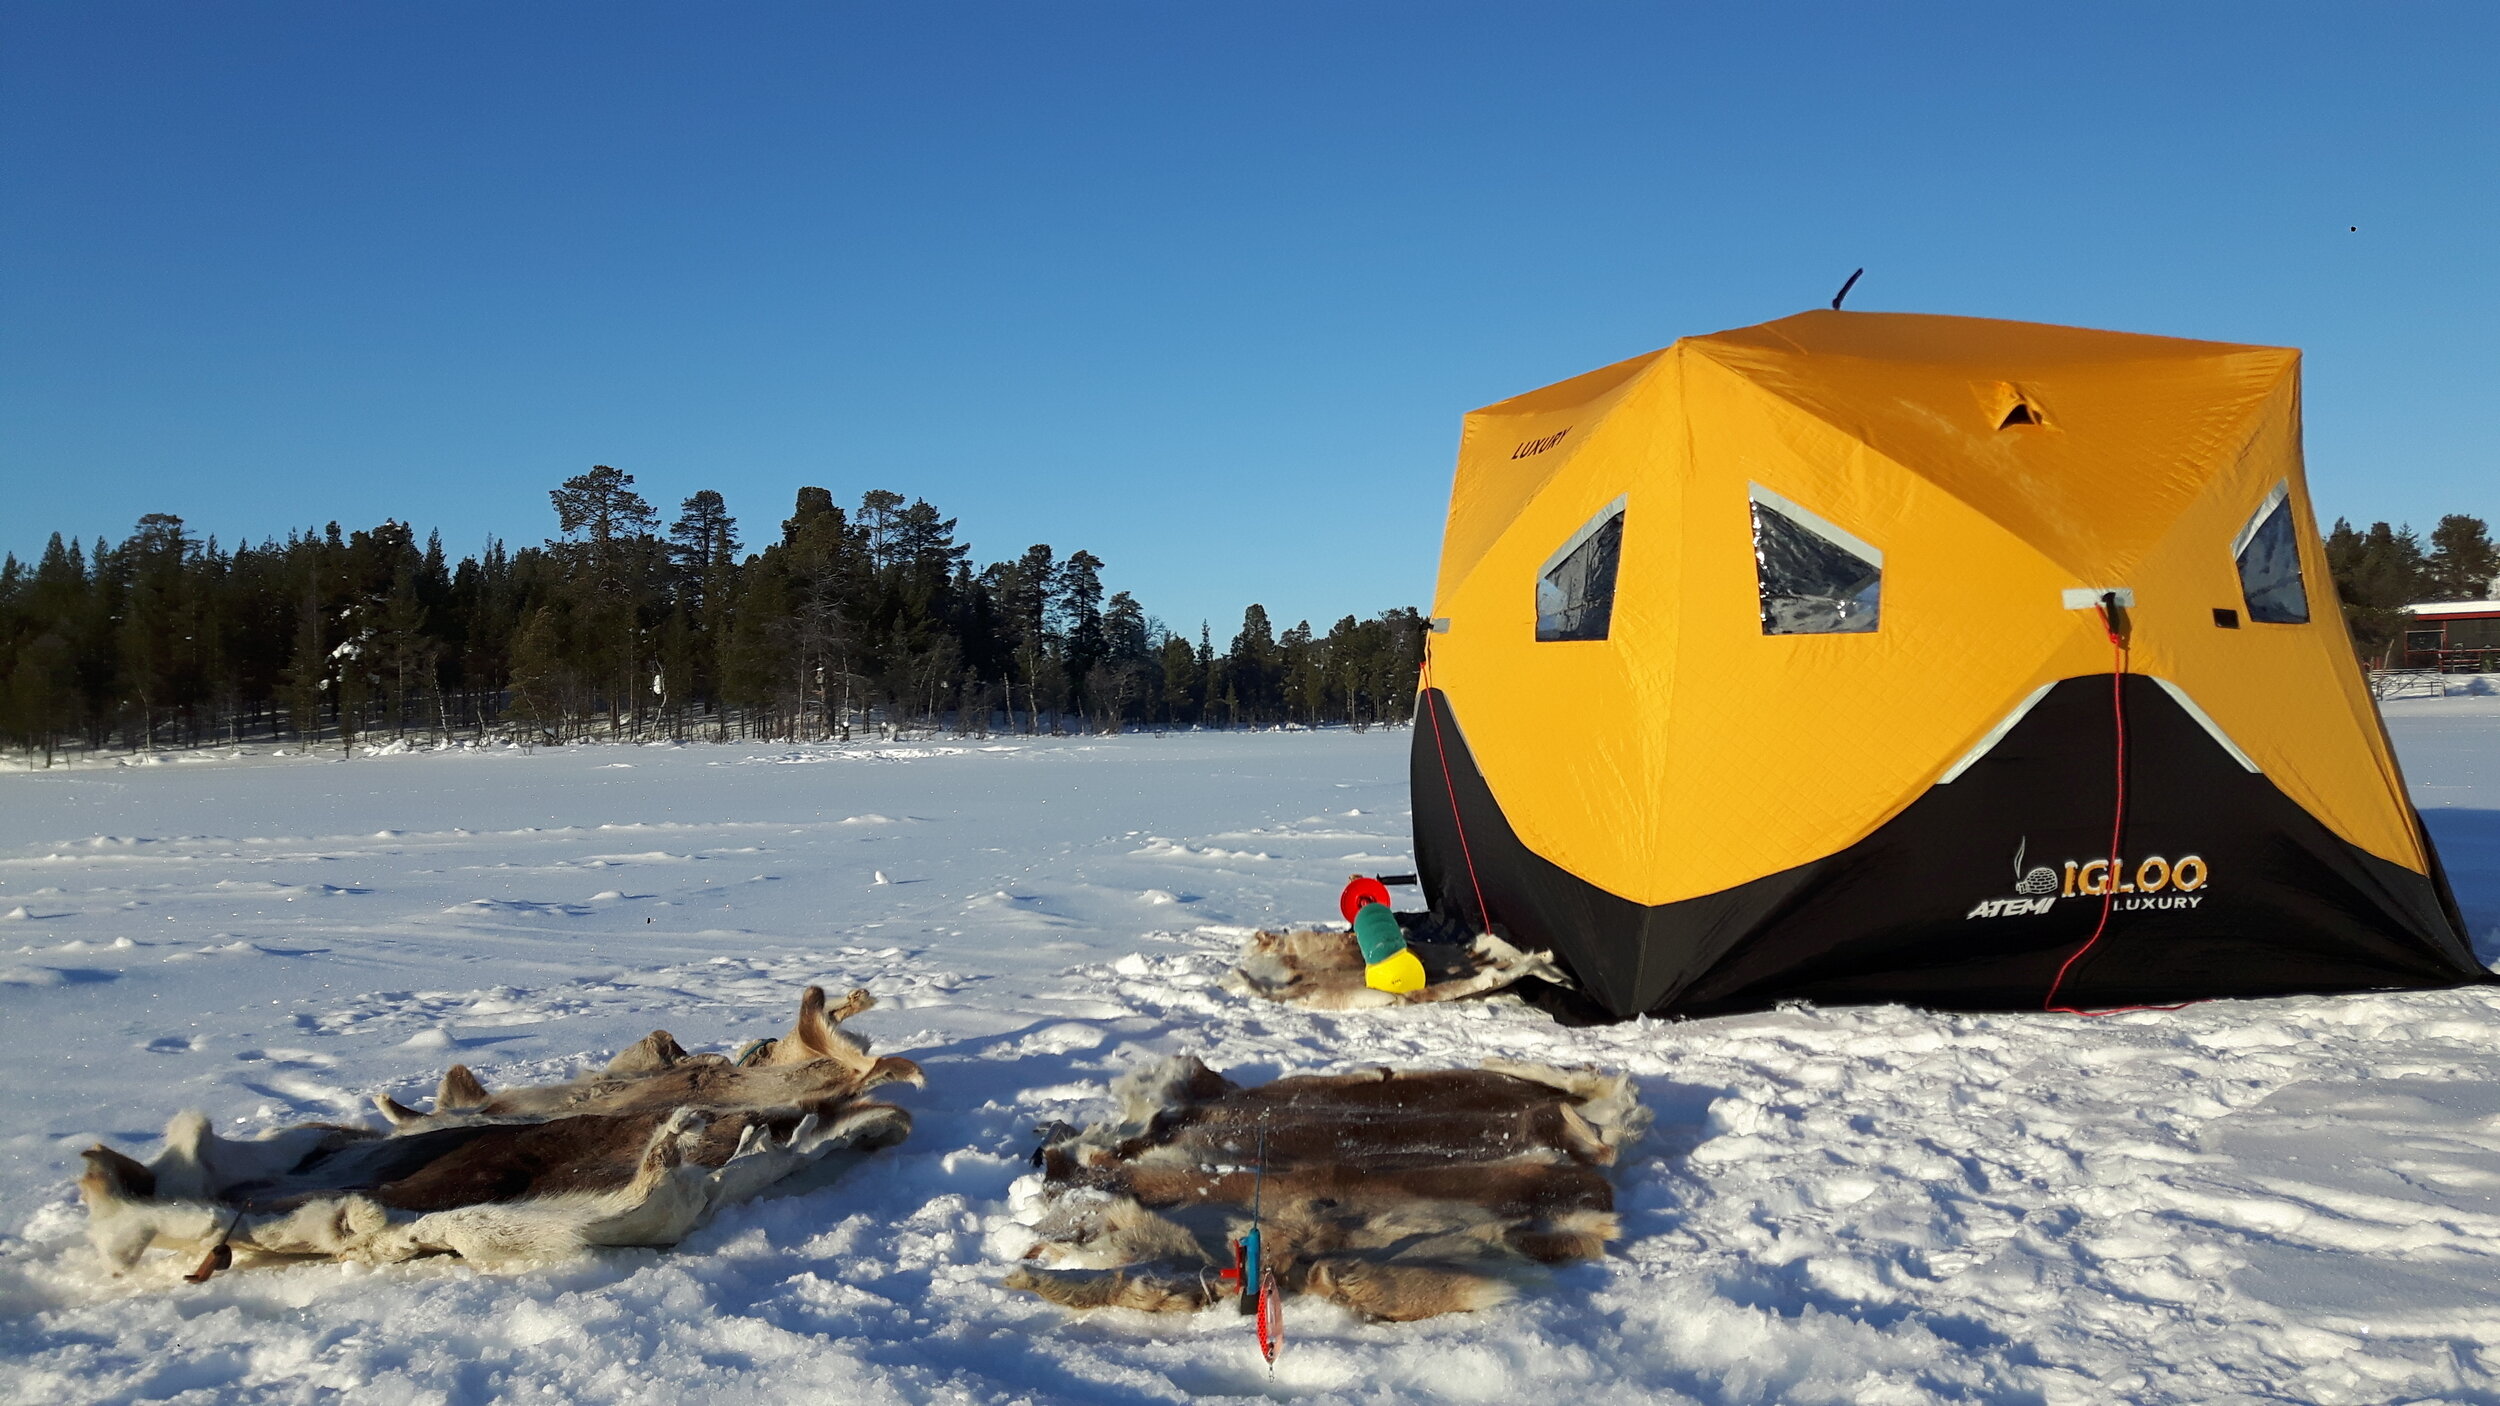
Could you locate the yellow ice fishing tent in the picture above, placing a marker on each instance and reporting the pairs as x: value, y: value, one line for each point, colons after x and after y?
x: 1838, y: 657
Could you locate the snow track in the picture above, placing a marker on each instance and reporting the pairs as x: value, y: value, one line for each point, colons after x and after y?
x: 2247, y: 1201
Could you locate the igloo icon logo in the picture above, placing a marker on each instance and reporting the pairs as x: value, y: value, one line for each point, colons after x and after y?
x: 2035, y: 886
x: 2035, y: 882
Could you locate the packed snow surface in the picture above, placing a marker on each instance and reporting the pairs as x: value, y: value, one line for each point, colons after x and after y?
x: 2240, y: 1201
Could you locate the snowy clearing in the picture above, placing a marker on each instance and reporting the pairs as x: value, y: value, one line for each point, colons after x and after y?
x: 2249, y: 1201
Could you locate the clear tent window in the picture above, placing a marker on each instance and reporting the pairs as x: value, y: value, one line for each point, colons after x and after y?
x: 1816, y: 578
x: 1575, y: 589
x: 2268, y: 554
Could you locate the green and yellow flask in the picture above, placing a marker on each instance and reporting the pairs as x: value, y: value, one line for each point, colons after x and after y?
x: 1387, y: 965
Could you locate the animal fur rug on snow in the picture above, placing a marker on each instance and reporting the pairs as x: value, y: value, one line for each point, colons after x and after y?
x: 637, y: 1154
x: 1398, y: 1195
x: 1322, y: 968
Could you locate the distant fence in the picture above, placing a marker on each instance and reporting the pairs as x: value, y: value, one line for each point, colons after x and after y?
x: 2407, y: 683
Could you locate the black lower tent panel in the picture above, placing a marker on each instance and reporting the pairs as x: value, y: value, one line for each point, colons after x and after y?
x: 1975, y: 894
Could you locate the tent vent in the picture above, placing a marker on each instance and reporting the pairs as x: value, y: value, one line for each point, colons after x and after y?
x: 2019, y: 414
x: 2226, y: 619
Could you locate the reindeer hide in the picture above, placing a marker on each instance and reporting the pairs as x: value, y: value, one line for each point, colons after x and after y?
x: 1322, y: 968
x: 637, y: 1154
x: 1399, y: 1195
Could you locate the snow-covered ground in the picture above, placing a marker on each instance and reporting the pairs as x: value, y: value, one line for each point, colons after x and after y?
x: 2241, y: 1201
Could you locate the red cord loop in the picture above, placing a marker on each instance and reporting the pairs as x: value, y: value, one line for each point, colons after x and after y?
x: 2117, y: 820
x: 1484, y: 916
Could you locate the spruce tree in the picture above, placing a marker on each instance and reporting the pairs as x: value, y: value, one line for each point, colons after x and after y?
x: 538, y: 677
x: 612, y: 558
x: 1080, y: 612
x: 406, y: 651
x: 1179, y: 703
x: 1251, y: 669
x: 705, y: 541
x: 2463, y: 563
x: 2392, y: 571
x: 156, y: 635
x: 1028, y: 587
x: 39, y: 694
x: 307, y: 671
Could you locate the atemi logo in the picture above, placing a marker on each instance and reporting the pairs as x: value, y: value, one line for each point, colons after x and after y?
x: 2156, y: 881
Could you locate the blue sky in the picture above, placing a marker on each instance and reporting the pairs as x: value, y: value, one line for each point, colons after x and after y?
x: 1202, y: 288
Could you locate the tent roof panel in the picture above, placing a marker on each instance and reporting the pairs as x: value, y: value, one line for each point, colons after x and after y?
x: 1510, y: 450
x: 2118, y: 432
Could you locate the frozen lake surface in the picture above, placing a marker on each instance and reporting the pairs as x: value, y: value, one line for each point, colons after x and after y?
x: 2240, y: 1201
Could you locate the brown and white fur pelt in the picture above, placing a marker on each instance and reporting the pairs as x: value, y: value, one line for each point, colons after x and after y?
x: 1398, y: 1195
x: 1322, y: 968
x: 637, y: 1154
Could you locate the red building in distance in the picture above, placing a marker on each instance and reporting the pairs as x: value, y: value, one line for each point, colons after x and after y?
x: 2457, y: 637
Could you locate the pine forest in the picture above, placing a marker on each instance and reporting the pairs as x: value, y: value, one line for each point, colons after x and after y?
x: 874, y: 620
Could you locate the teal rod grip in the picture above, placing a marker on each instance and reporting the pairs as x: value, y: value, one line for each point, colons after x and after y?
x: 1376, y: 931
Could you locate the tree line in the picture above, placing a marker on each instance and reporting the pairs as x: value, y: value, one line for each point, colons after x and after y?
x: 618, y: 627
x: 2381, y: 571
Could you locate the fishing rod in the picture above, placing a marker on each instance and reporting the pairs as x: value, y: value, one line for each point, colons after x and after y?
x: 1252, y: 1273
